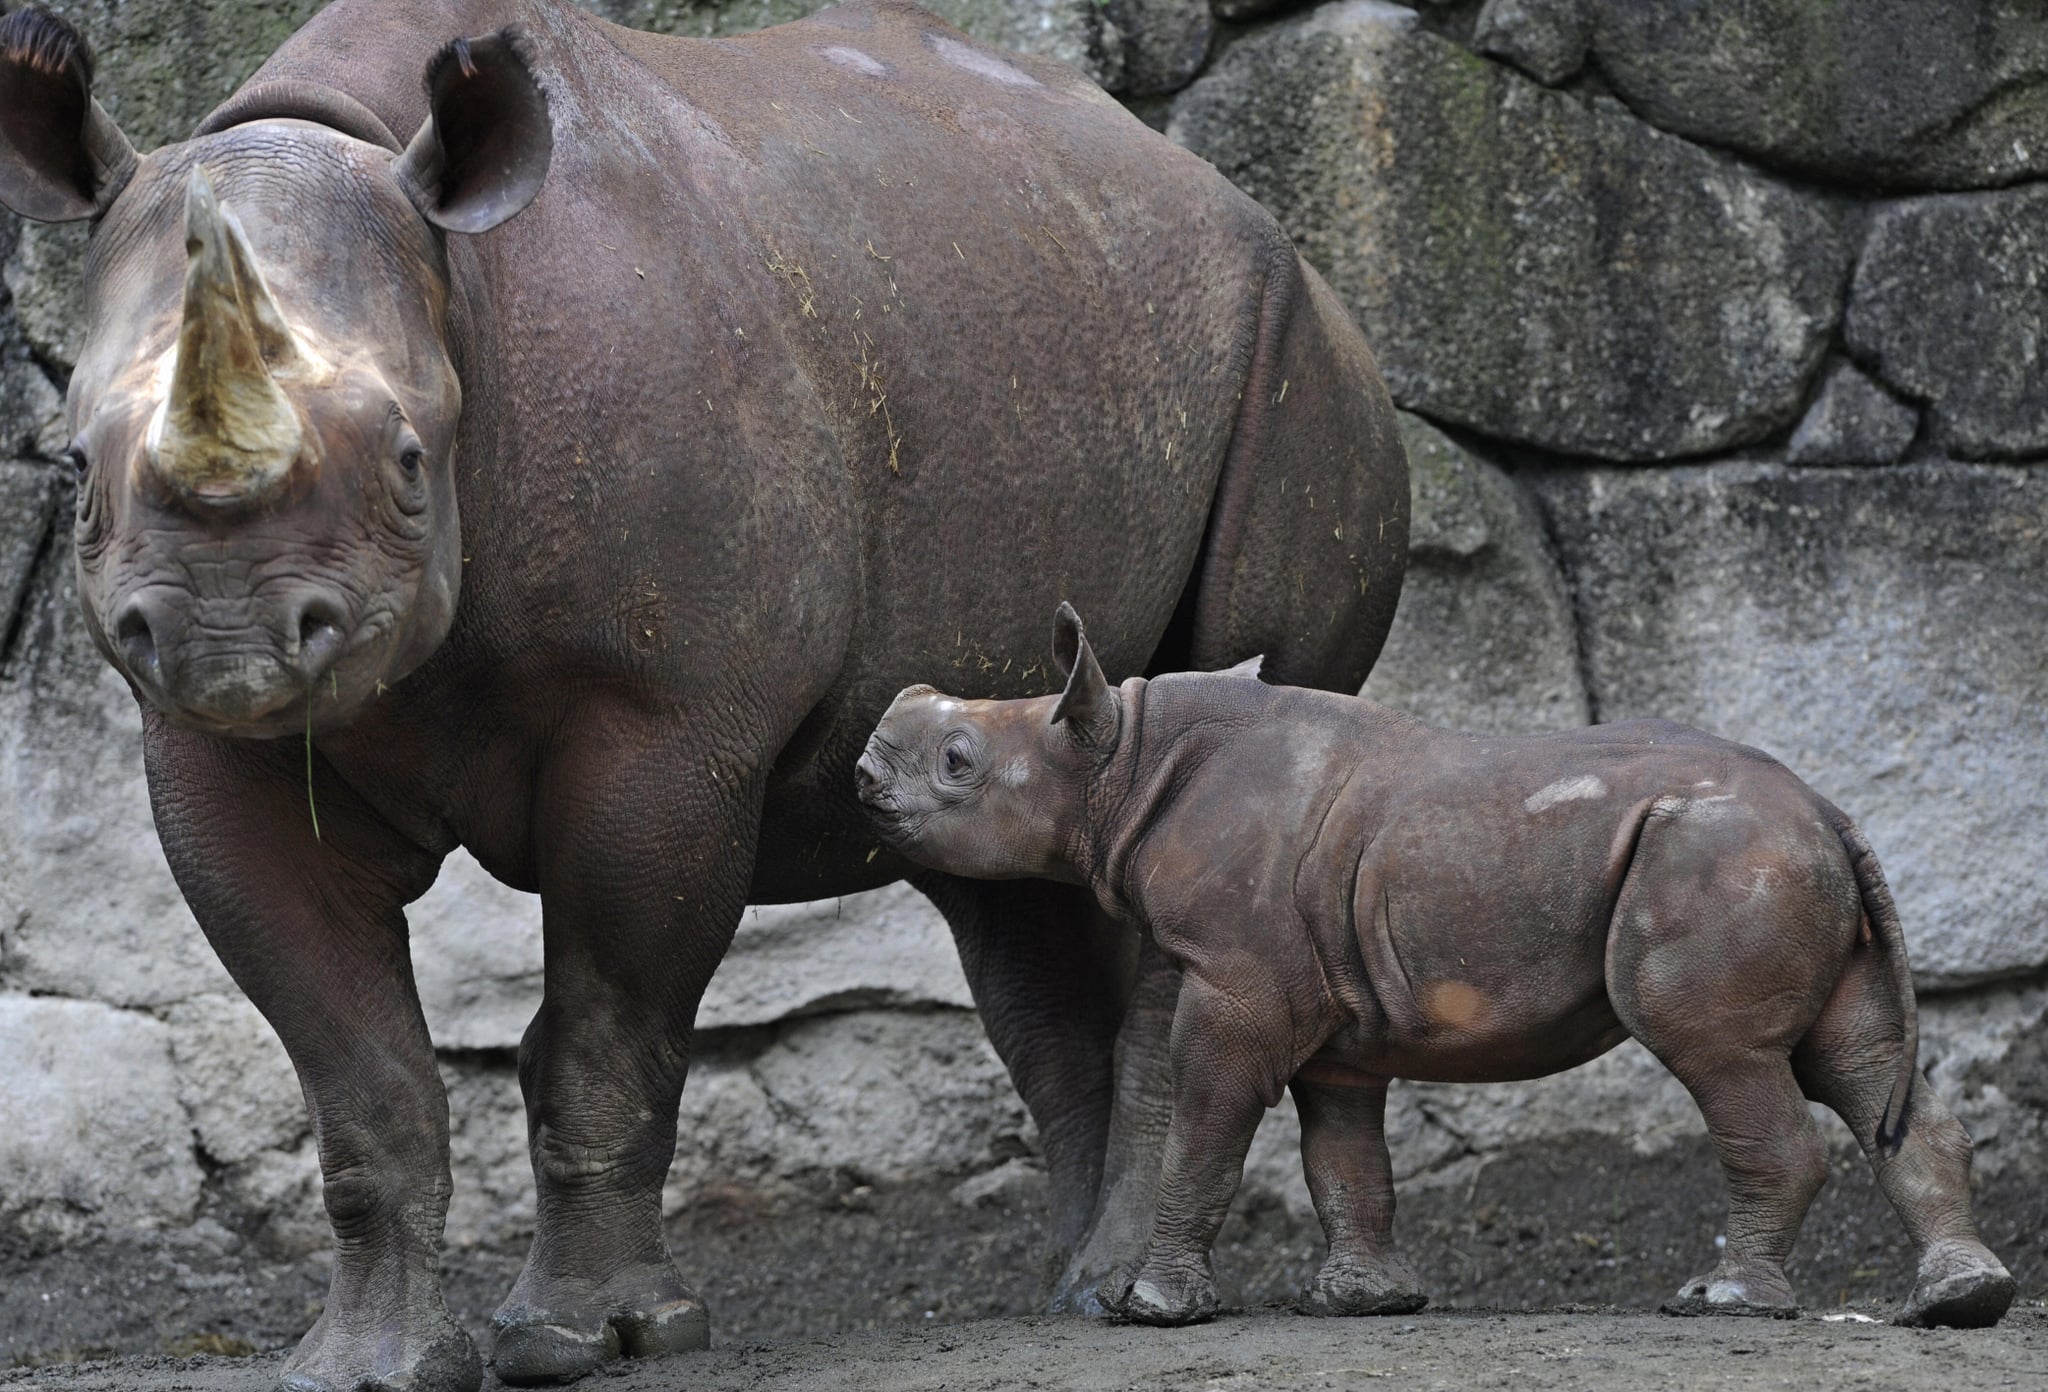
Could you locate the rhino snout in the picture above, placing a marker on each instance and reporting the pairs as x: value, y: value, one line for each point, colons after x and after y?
x: 230, y: 675
x: 869, y: 777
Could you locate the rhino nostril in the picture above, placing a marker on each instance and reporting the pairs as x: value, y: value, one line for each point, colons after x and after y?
x: 867, y: 776
x: 137, y: 642
x: 320, y: 639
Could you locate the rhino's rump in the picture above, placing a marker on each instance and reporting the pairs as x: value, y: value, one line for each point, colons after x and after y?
x: 1485, y: 893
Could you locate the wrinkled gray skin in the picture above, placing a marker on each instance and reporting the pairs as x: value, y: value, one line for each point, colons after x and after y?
x: 1354, y: 896
x: 573, y: 476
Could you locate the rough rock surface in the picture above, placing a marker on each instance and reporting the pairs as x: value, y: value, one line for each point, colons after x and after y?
x: 1880, y: 632
x: 1853, y: 420
x: 1526, y: 263
x: 1908, y: 94
x: 1165, y: 43
x: 1546, y: 39
x: 1950, y: 302
x: 1484, y: 639
x: 87, y: 906
x: 93, y: 1135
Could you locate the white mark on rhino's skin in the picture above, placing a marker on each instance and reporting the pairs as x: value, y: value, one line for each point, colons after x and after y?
x: 1585, y: 786
x: 981, y: 64
x: 855, y: 59
x: 1016, y: 773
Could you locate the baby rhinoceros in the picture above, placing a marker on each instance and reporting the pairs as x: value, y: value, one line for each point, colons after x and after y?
x: 1354, y: 896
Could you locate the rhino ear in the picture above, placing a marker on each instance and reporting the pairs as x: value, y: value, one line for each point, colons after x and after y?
x: 484, y: 150
x: 1089, y: 706
x: 62, y: 158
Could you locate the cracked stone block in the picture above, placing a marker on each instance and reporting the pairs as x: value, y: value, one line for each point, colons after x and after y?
x: 1853, y: 420
x: 1484, y: 639
x: 1525, y: 262
x: 92, y: 1136
x: 1905, y: 94
x: 1546, y: 39
x: 1877, y: 630
x: 1950, y: 305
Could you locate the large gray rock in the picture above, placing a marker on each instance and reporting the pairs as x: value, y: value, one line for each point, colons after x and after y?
x: 1918, y: 94
x: 1526, y: 263
x: 1950, y: 302
x: 28, y: 511
x: 87, y: 906
x: 1164, y: 43
x: 1484, y: 639
x: 91, y: 1133
x: 1878, y: 631
x: 31, y: 407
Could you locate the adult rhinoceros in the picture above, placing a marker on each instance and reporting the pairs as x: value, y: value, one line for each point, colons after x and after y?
x: 819, y: 362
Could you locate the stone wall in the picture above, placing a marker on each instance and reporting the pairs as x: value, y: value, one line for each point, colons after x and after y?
x: 1719, y: 333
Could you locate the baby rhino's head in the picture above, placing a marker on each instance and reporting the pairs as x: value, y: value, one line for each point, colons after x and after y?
x: 993, y: 789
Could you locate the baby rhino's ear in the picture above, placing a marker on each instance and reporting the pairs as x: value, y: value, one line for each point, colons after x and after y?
x: 1088, y: 707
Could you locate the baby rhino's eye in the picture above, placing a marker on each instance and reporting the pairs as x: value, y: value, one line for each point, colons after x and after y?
x: 956, y: 758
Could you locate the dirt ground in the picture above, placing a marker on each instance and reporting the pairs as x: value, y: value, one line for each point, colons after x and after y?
x: 1546, y: 1269
x: 1272, y: 1350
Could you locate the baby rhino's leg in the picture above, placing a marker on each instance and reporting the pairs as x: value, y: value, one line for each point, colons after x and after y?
x: 1351, y: 1179
x: 1222, y: 1072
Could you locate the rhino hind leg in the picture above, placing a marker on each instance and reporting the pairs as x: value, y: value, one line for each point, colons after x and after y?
x: 1048, y: 980
x: 1774, y: 1161
x: 1351, y: 1179
x: 1848, y: 1062
x: 1720, y: 980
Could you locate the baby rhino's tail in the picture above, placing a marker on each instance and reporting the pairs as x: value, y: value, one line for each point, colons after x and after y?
x: 1889, y: 938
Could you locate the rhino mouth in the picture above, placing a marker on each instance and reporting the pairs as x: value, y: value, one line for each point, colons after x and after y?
x: 263, y: 674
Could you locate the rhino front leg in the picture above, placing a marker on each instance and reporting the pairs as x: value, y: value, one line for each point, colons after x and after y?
x: 1113, y: 1244
x: 1221, y: 1087
x: 1351, y: 1179
x: 313, y: 930
x: 644, y: 874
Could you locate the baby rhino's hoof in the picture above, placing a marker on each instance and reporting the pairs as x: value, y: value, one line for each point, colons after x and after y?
x: 1730, y: 1293
x: 1355, y: 1290
x: 1959, y: 1284
x: 1168, y: 1299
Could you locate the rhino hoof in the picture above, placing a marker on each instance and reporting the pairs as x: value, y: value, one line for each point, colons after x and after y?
x: 540, y: 1353
x: 1961, y: 1286
x: 438, y: 1358
x: 1168, y: 1302
x: 1724, y: 1295
x: 1356, y: 1297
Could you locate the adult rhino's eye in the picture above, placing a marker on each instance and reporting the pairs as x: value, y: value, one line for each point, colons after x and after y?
x: 411, y: 460
x: 80, y: 465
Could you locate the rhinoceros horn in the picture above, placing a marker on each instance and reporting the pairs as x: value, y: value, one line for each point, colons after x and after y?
x: 229, y: 433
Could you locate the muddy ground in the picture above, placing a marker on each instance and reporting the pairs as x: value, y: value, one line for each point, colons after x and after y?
x: 1546, y: 1267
